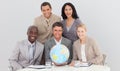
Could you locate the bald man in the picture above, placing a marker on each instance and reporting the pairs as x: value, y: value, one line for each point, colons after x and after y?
x: 27, y: 52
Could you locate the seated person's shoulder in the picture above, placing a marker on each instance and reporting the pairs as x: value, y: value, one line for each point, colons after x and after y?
x: 91, y: 40
x: 21, y: 43
x: 76, y: 42
x: 49, y: 41
x: 67, y: 40
x: 40, y: 44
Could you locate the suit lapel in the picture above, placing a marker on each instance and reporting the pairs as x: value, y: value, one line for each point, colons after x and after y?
x: 26, y: 51
x: 37, y: 50
x: 78, y: 49
x: 86, y: 48
x: 53, y: 43
x: 62, y: 41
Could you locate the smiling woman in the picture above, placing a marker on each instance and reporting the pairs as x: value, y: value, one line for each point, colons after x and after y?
x: 85, y: 49
x: 70, y: 21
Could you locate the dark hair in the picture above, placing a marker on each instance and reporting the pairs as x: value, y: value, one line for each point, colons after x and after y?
x: 31, y: 27
x: 74, y: 14
x: 45, y: 3
x: 59, y: 24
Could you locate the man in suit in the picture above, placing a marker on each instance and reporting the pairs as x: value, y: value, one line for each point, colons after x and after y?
x: 45, y: 21
x: 57, y: 30
x: 27, y: 52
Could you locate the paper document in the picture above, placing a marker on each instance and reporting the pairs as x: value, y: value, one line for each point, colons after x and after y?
x: 82, y: 64
x: 37, y: 66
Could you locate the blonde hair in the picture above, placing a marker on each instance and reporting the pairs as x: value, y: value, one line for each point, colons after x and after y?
x: 82, y: 26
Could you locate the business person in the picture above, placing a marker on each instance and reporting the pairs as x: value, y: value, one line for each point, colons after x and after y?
x: 45, y: 21
x: 85, y: 49
x: 57, y: 38
x: 27, y: 52
x: 70, y: 21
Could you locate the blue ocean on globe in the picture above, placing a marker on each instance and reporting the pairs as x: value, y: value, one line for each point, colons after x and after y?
x: 59, y: 53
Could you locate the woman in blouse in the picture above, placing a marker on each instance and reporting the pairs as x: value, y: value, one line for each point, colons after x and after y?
x: 70, y: 21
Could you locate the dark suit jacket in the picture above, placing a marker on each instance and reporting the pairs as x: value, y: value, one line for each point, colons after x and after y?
x: 51, y: 42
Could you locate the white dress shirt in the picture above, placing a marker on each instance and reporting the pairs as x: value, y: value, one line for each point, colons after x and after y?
x: 58, y: 42
x: 83, y: 55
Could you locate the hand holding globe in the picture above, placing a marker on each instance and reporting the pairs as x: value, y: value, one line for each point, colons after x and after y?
x: 59, y: 54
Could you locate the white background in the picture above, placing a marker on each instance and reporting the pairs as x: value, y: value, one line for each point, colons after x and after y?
x: 101, y: 17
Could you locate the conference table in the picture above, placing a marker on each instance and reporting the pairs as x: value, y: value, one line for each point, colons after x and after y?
x: 69, y: 68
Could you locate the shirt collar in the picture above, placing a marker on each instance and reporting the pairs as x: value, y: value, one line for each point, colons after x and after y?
x: 29, y: 43
x: 57, y: 41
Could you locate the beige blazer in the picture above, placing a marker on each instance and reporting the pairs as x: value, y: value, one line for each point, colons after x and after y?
x: 93, y: 54
x: 45, y: 26
x: 20, y: 56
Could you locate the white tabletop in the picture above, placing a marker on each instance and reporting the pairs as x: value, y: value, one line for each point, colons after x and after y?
x: 70, y: 68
